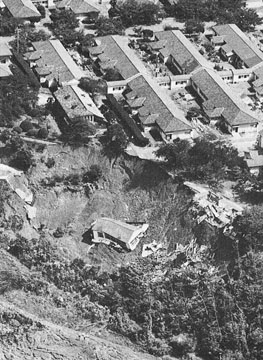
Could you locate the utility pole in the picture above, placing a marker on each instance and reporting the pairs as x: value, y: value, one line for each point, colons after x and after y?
x: 17, y: 39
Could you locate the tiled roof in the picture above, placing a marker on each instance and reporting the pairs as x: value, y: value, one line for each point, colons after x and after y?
x: 219, y: 95
x: 240, y: 44
x: 112, y: 51
x: 4, y: 50
x: 22, y: 9
x: 170, y: 118
x: 76, y: 102
x: 77, y: 6
x: 55, y: 57
x: 181, y: 49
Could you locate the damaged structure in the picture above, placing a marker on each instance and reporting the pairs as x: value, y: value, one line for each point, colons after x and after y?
x: 216, y: 209
x: 116, y: 232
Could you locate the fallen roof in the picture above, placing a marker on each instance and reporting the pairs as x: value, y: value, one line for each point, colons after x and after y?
x: 56, y: 59
x: 181, y: 49
x: 76, y: 102
x: 240, y: 44
x: 220, y: 95
x: 22, y: 9
x: 116, y: 228
x: 110, y: 50
x: 77, y: 6
x: 170, y: 119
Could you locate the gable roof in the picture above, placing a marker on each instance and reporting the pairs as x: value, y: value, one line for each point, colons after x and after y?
x: 170, y: 118
x: 110, y: 50
x: 76, y: 102
x: 55, y: 61
x: 117, y: 229
x: 219, y: 95
x: 240, y: 44
x: 5, y: 71
x: 77, y: 6
x: 181, y: 49
x: 4, y: 50
x: 22, y: 9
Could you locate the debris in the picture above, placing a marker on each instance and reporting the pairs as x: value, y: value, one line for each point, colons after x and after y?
x: 17, y: 181
x: 31, y: 211
x: 214, y: 208
x: 151, y: 248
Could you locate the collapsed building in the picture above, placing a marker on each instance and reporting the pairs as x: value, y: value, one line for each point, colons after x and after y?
x: 214, y: 208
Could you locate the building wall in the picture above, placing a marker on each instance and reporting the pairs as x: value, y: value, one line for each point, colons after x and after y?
x: 114, y: 89
x: 245, y: 129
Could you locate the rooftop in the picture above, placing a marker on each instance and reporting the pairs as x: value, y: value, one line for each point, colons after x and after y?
x: 110, y: 50
x: 77, y: 6
x: 21, y: 9
x: 157, y: 102
x: 4, y: 50
x: 55, y: 61
x: 181, y: 49
x: 76, y: 102
x: 116, y: 228
x: 219, y: 95
x: 238, y: 42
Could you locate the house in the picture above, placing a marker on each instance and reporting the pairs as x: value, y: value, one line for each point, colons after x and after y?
x: 22, y: 9
x: 52, y: 63
x: 5, y: 54
x: 154, y: 109
x: 236, y: 47
x: 75, y: 104
x: 108, y: 53
x: 126, y: 235
x: 257, y: 82
x: 45, y: 3
x: 81, y: 8
x: 254, y: 160
x: 221, y: 104
x: 177, y: 52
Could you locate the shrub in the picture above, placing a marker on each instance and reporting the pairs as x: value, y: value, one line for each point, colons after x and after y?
x: 93, y: 174
x: 26, y: 125
x: 17, y: 129
x: 42, y: 133
x: 22, y: 160
x: 50, y: 162
x: 32, y: 132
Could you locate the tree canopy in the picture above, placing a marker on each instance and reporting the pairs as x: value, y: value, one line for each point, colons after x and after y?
x: 220, y: 11
x: 206, y: 159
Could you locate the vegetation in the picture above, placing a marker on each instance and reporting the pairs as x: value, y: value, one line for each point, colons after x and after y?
x: 220, y: 11
x: 206, y: 160
x: 19, y: 96
x: 8, y: 25
x: 106, y: 26
x: 116, y: 141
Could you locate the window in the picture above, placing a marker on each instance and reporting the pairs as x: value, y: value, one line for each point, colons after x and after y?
x: 100, y: 234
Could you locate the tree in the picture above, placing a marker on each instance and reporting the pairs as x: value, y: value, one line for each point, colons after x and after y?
x: 193, y: 26
x: 105, y: 26
x: 133, y: 12
x: 112, y: 74
x: 78, y: 133
x: 249, y: 230
x: 42, y: 10
x: 93, y: 86
x: 8, y: 25
x: 116, y: 141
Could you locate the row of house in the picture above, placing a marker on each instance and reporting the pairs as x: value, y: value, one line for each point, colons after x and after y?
x: 27, y: 9
x: 152, y: 108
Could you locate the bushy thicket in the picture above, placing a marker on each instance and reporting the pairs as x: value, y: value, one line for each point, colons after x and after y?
x: 175, y: 310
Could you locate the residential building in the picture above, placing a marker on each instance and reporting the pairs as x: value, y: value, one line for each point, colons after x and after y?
x: 75, y: 104
x: 22, y: 9
x: 154, y: 109
x: 5, y: 71
x: 220, y: 103
x: 254, y: 160
x: 5, y: 54
x: 126, y: 235
x: 175, y: 50
x: 46, y: 3
x: 109, y: 54
x: 52, y: 63
x: 236, y: 47
x: 81, y: 8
